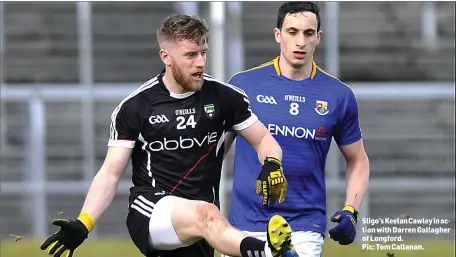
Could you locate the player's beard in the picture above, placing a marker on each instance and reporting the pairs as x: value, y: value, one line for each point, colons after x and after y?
x: 184, y: 81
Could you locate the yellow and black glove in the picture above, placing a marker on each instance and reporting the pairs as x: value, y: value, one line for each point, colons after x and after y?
x: 70, y: 236
x: 271, y: 182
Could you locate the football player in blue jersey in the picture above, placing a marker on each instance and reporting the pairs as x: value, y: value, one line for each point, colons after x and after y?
x: 303, y: 107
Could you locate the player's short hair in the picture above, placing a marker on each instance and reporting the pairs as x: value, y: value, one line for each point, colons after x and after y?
x: 297, y: 7
x: 179, y: 27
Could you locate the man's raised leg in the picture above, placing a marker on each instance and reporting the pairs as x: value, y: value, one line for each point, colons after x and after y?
x: 194, y: 220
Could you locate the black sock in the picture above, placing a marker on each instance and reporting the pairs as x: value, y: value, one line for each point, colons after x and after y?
x: 252, y: 245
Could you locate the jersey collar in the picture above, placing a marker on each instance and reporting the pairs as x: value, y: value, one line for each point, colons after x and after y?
x: 277, y: 68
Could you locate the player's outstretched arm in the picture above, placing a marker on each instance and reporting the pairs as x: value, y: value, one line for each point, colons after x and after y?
x: 271, y: 182
x: 72, y: 233
x: 262, y: 141
x: 105, y: 182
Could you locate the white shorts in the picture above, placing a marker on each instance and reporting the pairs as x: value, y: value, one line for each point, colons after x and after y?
x: 306, y: 243
x: 162, y: 235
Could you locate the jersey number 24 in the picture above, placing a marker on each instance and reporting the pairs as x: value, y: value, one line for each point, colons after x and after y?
x: 183, y: 124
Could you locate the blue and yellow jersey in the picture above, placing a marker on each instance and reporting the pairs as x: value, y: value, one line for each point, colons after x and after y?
x: 303, y: 116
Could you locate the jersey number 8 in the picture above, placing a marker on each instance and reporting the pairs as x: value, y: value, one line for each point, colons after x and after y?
x: 182, y: 124
x: 294, y: 109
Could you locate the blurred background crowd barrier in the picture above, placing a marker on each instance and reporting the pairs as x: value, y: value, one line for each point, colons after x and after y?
x: 66, y: 65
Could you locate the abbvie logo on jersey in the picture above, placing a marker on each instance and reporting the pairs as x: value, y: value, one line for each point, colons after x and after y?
x: 155, y: 119
x: 266, y: 99
x: 182, y: 143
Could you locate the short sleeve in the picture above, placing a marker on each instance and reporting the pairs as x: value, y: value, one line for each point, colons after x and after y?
x: 239, y: 115
x: 124, y: 127
x: 348, y: 130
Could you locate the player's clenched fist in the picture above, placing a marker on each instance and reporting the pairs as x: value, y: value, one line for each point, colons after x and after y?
x: 271, y: 182
x: 345, y: 231
x: 70, y: 235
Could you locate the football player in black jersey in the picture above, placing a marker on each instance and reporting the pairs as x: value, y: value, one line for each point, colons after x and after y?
x: 172, y: 129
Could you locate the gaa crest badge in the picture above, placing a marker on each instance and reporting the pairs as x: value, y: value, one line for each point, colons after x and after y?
x: 321, y: 108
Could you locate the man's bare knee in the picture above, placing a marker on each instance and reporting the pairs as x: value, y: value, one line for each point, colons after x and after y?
x: 209, y: 219
x: 190, y: 218
x: 194, y: 220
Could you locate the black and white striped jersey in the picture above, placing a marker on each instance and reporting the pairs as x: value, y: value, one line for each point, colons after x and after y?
x: 178, y: 138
